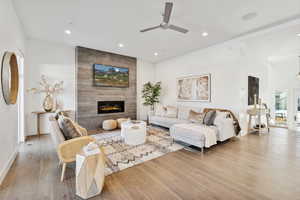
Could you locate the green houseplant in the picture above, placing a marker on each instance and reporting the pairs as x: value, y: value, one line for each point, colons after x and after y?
x: 151, y: 93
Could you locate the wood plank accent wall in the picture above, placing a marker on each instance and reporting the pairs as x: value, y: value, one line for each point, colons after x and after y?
x: 87, y: 95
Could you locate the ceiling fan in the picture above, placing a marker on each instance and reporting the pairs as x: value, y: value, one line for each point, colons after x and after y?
x: 166, y: 19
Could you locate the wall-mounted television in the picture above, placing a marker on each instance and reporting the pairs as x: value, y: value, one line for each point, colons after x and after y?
x: 110, y: 76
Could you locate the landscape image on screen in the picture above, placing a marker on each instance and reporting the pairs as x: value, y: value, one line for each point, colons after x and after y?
x: 109, y: 76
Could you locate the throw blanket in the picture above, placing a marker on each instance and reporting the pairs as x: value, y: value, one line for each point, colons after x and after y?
x: 209, y: 132
x: 236, y: 124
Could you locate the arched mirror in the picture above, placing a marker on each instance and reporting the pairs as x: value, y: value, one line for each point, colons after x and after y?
x: 9, y: 78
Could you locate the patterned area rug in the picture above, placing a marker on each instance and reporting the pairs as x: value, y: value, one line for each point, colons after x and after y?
x: 121, y: 156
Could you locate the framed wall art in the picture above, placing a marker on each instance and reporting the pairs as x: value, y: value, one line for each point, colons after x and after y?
x: 194, y: 88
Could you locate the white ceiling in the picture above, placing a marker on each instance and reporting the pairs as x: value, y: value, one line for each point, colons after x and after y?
x: 102, y: 24
x: 275, y: 45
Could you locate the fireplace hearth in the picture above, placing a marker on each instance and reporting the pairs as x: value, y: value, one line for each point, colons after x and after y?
x: 105, y: 107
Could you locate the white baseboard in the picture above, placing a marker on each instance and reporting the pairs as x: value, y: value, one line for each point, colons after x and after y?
x: 8, y: 165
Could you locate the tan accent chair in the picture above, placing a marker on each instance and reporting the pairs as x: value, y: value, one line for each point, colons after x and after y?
x: 67, y: 149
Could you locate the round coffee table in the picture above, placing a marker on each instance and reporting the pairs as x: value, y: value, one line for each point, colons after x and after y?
x: 134, y: 132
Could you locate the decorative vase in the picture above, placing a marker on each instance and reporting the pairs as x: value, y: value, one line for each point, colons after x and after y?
x: 48, y: 103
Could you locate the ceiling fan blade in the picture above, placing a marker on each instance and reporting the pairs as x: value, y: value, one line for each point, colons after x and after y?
x: 177, y: 28
x: 168, y: 11
x: 149, y: 29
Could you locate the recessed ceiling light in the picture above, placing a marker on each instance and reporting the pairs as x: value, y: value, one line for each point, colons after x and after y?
x: 204, y: 34
x: 249, y: 16
x: 68, y: 32
x: 298, y: 34
x: 156, y: 54
x: 121, y: 45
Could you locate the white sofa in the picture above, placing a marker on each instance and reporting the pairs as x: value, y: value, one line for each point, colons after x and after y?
x: 168, y: 122
x: 183, y: 130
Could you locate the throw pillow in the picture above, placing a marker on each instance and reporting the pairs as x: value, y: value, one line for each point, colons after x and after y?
x: 222, y: 114
x: 82, y: 131
x: 184, y: 112
x: 220, y: 117
x: 59, y: 112
x: 171, y: 111
x: 160, y: 110
x: 68, y: 129
x: 209, y: 118
x: 60, y: 122
x: 196, y: 117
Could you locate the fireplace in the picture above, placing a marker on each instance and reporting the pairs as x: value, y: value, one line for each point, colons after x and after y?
x: 105, y: 107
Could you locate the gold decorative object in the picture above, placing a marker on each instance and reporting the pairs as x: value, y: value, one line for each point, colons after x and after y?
x: 10, y: 78
x: 48, y: 103
x: 50, y: 91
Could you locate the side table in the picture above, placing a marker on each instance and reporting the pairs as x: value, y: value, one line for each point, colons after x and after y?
x: 89, y: 174
x: 134, y: 132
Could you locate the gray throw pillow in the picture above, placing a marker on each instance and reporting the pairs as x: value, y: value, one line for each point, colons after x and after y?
x: 68, y: 129
x: 209, y: 118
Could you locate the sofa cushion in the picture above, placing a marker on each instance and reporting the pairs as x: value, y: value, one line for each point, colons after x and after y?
x: 171, y: 111
x: 196, y: 117
x: 165, y: 121
x: 56, y: 133
x: 184, y: 111
x: 188, y: 130
x: 160, y: 110
x: 209, y: 118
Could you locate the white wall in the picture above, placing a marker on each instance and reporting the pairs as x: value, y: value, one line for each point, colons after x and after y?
x: 229, y: 65
x: 11, y: 39
x: 145, y: 73
x: 57, y: 63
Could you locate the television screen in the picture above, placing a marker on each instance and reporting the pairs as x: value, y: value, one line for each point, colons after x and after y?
x: 109, y: 76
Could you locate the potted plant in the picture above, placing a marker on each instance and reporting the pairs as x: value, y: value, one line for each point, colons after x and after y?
x: 151, y: 93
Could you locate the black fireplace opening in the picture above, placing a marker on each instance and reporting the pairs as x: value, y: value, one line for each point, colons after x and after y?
x: 105, y: 107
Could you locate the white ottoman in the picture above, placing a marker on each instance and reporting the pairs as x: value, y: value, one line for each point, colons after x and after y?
x: 134, y: 132
x: 109, y: 125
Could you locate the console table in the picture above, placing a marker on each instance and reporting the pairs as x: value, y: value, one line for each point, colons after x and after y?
x: 38, y: 116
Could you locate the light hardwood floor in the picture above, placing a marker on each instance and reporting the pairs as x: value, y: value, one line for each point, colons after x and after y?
x: 250, y: 167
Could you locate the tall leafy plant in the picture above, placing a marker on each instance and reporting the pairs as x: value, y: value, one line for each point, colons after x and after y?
x: 151, y: 93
